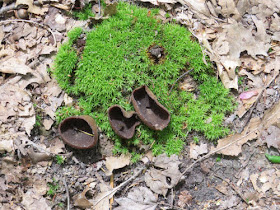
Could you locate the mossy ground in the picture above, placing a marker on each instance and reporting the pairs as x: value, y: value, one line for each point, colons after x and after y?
x: 115, y: 61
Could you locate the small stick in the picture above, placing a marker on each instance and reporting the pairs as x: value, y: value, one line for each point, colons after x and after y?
x: 112, y: 185
x: 67, y: 194
x: 179, y: 79
x: 84, y: 132
x: 256, y: 102
x: 113, y: 191
x: 233, y: 187
x: 32, y: 22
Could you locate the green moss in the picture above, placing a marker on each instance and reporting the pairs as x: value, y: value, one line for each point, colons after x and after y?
x: 115, y: 61
x: 85, y: 13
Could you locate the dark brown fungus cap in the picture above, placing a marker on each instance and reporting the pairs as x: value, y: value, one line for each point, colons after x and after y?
x: 123, y: 122
x: 149, y: 110
x: 79, y: 132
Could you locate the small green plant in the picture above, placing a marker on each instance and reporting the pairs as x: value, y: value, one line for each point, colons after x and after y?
x: 59, y: 159
x: 85, y: 13
x: 61, y: 205
x: 196, y: 139
x: 218, y: 159
x: 240, y: 80
x: 167, y: 15
x: 115, y: 61
x: 53, y: 187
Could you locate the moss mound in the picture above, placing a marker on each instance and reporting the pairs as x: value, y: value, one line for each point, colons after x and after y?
x: 117, y: 58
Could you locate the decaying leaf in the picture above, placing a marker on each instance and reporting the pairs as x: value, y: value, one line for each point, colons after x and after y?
x: 81, y: 201
x: 6, y: 146
x: 140, y: 198
x: 248, y: 94
x: 266, y: 180
x: 250, y: 132
x: 157, y: 2
x: 159, y: 181
x: 14, y: 66
x: 31, y: 200
x: 57, y: 146
x: 31, y: 7
x: 196, y: 150
x: 185, y: 198
x: 116, y: 163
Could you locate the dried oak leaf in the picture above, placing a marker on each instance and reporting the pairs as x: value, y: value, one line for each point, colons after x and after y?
x: 116, y: 163
x: 185, y: 198
x: 250, y: 132
x: 196, y: 150
x: 140, y: 198
x: 159, y: 181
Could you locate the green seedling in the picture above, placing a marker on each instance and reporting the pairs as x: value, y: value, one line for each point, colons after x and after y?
x: 196, y: 139
x: 59, y: 159
x: 116, y: 60
x: 53, y: 187
x: 273, y: 158
x: 218, y: 159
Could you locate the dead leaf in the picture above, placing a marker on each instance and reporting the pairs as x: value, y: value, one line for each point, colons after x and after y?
x: 31, y: 7
x: 140, y: 198
x: 110, y: 9
x: 48, y: 123
x: 38, y: 156
x: 15, y: 66
x: 156, y: 2
x: 159, y: 181
x: 31, y: 200
x: 185, y: 199
x: 81, y: 201
x: 57, y: 146
x: 249, y: 133
x: 1, y: 34
x: 196, y: 150
x: 248, y: 94
x: 230, y: 202
x: 116, y: 163
x: 6, y: 146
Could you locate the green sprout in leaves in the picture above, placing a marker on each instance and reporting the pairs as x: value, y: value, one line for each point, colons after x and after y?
x: 53, y: 187
x: 59, y: 159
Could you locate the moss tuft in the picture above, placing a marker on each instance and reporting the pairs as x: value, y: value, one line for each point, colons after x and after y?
x: 115, y: 61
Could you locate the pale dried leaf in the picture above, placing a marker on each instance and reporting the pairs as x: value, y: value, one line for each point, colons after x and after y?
x: 32, y: 201
x: 159, y: 181
x: 250, y: 132
x: 1, y: 34
x: 140, y: 198
x: 31, y: 7
x: 6, y: 146
x: 48, y: 123
x: 156, y: 2
x: 15, y: 66
x: 116, y: 163
x: 271, y: 136
x: 248, y: 94
x: 196, y: 150
x: 57, y: 146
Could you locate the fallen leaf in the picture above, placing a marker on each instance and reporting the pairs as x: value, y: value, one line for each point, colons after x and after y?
x: 250, y: 132
x: 30, y: 200
x: 159, y: 181
x: 230, y: 202
x: 14, y: 66
x: 81, y: 201
x: 196, y: 150
x: 248, y: 94
x: 140, y: 198
x: 57, y: 146
x: 185, y: 199
x: 6, y: 146
x: 31, y: 7
x: 156, y: 2
x: 116, y: 163
x: 48, y: 123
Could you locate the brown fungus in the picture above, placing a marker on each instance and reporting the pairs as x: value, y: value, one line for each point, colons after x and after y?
x: 79, y: 132
x: 149, y: 110
x: 122, y: 122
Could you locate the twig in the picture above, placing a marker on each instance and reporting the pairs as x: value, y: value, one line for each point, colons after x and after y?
x: 113, y: 191
x: 32, y: 22
x: 256, y: 102
x: 99, y: 8
x: 233, y: 187
x: 89, y: 134
x: 179, y: 79
x: 67, y: 194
